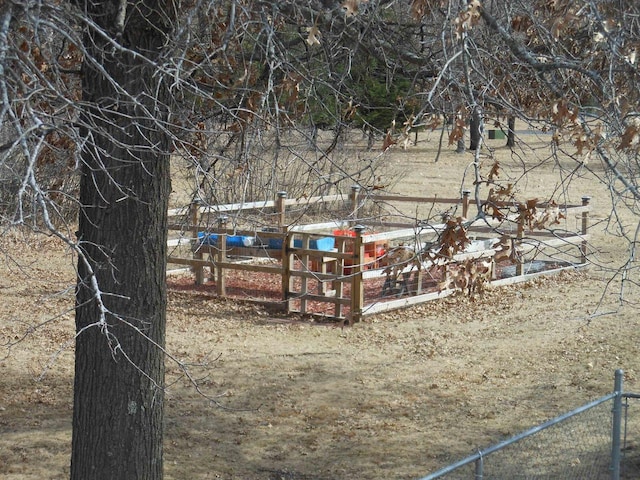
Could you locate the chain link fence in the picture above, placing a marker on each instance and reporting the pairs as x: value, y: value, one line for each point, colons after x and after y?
x: 599, y: 440
x: 630, y: 442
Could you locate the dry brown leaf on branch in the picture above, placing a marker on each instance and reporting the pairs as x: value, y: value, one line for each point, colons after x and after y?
x: 494, y: 172
x: 291, y: 87
x: 496, y: 195
x: 349, y: 111
x: 531, y: 203
x: 505, y: 192
x: 582, y: 143
x: 352, y: 6
x: 538, y: 220
x: 561, y: 113
x: 388, y: 142
x: 433, y: 121
x: 457, y: 132
x: 551, y: 215
x: 468, y: 18
x: 504, y: 249
x: 418, y: 8
x: 521, y: 23
x: 630, y: 138
x: 632, y: 54
x: 314, y: 35
x: 527, y: 212
x: 454, y: 237
x: 469, y: 276
x: 495, y: 212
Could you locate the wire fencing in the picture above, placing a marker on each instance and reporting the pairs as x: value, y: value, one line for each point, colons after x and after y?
x: 599, y: 440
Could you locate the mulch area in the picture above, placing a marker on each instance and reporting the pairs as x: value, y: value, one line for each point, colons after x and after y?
x: 267, y: 288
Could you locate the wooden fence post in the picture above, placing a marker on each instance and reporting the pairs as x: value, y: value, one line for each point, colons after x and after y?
x: 194, y: 225
x: 585, y: 227
x: 221, y: 287
x: 281, y: 208
x: 287, y: 262
x: 338, y: 285
x: 305, y: 266
x: 519, y: 237
x: 357, y: 285
x: 465, y: 203
x: 354, y: 200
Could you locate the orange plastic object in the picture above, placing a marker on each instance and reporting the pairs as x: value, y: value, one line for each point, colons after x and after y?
x: 344, y: 233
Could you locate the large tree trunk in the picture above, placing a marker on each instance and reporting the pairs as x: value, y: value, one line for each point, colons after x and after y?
x: 124, y: 190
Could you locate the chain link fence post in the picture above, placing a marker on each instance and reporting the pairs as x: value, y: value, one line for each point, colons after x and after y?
x: 617, y: 423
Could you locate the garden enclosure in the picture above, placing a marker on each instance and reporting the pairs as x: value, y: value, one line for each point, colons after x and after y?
x: 360, y: 265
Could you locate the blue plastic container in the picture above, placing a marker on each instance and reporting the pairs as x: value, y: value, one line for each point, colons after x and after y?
x: 275, y: 243
x: 232, y: 240
x: 324, y: 244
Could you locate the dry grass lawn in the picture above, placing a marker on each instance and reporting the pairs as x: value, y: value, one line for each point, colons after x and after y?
x: 397, y: 396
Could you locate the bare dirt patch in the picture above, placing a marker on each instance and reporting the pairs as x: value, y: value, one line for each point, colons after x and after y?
x: 394, y: 397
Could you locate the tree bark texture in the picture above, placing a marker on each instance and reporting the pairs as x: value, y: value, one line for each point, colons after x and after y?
x: 124, y: 190
x: 476, y: 127
x: 511, y: 131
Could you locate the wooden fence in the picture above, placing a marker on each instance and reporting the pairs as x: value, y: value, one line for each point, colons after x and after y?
x: 336, y: 269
